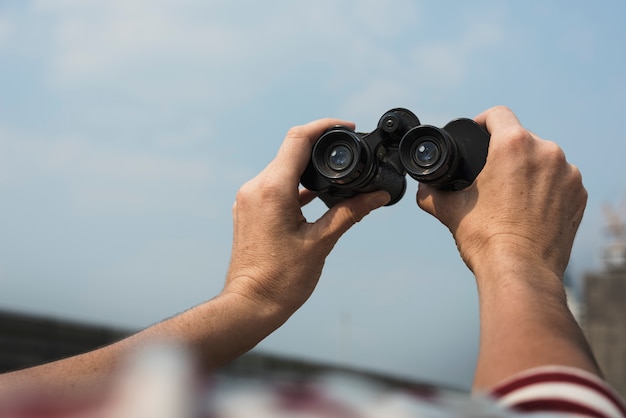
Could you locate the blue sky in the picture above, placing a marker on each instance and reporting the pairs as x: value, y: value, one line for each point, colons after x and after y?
x: 126, y: 128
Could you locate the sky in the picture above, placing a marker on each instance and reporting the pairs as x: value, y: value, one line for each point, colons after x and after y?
x: 127, y: 127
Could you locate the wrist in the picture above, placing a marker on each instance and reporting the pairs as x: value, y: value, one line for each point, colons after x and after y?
x: 278, y: 295
x: 506, y: 268
x: 502, y: 250
x: 259, y: 309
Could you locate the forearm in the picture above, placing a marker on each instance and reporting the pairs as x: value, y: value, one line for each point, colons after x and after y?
x: 525, y: 323
x: 222, y: 329
x: 216, y: 331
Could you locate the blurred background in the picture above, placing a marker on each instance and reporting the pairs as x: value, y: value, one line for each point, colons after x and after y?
x: 127, y: 127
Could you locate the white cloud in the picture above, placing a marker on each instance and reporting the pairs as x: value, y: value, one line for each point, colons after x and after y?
x: 138, y: 45
x: 78, y: 157
x: 378, y: 96
x: 101, y: 179
x: 75, y: 156
x: 169, y: 50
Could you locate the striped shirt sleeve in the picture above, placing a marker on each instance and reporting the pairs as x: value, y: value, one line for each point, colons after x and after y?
x: 561, y: 392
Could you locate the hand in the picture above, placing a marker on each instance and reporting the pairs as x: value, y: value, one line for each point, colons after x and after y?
x: 526, y: 204
x: 514, y: 228
x: 277, y: 256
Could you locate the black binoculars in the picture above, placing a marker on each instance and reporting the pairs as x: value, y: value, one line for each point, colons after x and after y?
x: 344, y: 162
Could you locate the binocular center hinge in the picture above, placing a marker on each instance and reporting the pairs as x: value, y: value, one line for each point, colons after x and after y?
x: 381, y: 151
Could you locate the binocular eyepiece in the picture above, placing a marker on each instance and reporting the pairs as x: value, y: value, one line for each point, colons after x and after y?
x: 344, y: 162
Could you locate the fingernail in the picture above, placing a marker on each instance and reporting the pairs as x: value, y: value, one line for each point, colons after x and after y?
x: 379, y: 199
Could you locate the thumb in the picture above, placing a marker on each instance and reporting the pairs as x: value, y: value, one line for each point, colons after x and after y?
x: 447, y: 206
x: 341, y: 217
x: 426, y: 199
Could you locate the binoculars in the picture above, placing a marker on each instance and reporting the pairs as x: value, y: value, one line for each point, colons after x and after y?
x: 344, y: 162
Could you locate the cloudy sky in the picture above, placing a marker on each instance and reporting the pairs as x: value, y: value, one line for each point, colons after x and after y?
x: 126, y: 128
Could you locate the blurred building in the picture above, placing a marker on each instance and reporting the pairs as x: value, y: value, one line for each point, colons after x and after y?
x: 28, y: 340
x: 604, y: 301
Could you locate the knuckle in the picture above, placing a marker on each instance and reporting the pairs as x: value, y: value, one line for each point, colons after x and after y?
x: 296, y: 132
x: 268, y: 187
x: 501, y: 109
x: 551, y: 156
x: 577, y: 179
x: 554, y: 152
x: 576, y: 174
x: 243, y: 192
x: 584, y: 195
x: 517, y: 137
x: 356, y: 217
x: 244, y: 195
x: 264, y: 188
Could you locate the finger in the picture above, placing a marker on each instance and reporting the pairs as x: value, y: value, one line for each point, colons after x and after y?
x: 425, y: 198
x: 295, y: 151
x: 447, y: 206
x: 306, y: 196
x: 341, y: 217
x: 507, y: 134
x: 435, y: 202
x: 498, y: 119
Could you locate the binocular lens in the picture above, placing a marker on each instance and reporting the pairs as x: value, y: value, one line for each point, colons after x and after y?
x: 339, y: 157
x: 426, y: 153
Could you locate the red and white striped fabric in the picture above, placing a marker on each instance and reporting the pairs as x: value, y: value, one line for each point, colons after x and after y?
x: 561, y: 391
x: 161, y: 384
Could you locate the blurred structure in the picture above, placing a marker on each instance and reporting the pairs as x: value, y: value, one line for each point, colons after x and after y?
x: 28, y: 340
x: 604, y: 301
